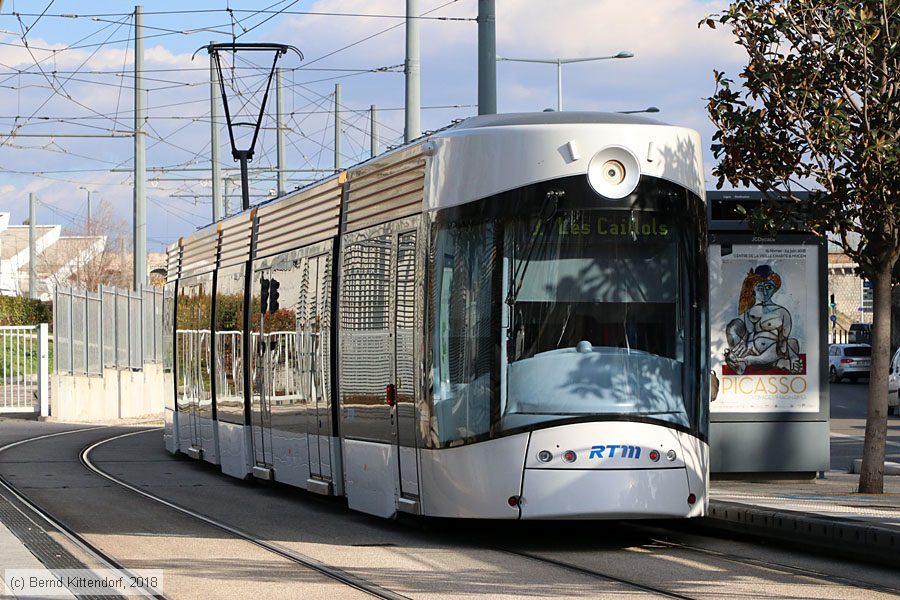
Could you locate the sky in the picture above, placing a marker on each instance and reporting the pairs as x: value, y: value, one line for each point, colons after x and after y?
x: 74, y: 78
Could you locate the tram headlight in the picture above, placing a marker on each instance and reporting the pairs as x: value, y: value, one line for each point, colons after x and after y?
x: 545, y: 456
x: 614, y: 172
x: 670, y: 455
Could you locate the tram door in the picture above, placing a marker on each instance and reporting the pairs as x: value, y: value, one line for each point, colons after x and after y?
x: 192, y: 338
x: 314, y: 333
x: 261, y: 374
x: 405, y: 329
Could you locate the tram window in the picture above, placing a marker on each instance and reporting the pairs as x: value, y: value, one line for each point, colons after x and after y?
x: 465, y: 260
x: 168, y: 331
x: 192, y: 339
x: 366, y: 343
x: 229, y: 335
x: 284, y: 318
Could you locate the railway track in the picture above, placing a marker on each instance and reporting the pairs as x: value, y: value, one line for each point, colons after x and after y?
x: 660, y: 539
x: 331, y: 572
x: 44, y: 520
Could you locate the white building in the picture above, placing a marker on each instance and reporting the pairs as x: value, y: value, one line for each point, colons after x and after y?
x: 58, y: 257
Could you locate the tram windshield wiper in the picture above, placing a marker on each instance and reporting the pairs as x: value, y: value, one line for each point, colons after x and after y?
x: 548, y: 210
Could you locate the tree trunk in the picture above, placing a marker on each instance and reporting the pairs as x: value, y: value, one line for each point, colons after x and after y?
x: 871, y: 475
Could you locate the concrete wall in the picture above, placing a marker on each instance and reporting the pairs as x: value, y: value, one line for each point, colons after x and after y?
x: 118, y: 394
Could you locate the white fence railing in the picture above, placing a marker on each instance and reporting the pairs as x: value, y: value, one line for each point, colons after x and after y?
x: 24, y: 358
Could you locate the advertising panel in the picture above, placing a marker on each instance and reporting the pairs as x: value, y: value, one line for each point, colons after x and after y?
x: 764, y: 327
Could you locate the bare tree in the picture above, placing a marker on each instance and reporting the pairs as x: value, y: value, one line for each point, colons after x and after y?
x: 90, y: 255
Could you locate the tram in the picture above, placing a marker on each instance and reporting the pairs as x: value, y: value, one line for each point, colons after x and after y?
x: 505, y: 319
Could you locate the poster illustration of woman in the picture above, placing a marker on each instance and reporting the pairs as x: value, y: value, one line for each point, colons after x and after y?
x: 759, y: 339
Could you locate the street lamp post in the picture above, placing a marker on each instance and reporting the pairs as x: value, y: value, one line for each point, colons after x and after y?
x: 88, y: 222
x: 559, y: 62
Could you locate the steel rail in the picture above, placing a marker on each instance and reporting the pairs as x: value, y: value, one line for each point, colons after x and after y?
x: 296, y: 557
x: 585, y: 571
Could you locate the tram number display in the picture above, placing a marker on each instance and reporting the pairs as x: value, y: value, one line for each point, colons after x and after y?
x: 588, y: 224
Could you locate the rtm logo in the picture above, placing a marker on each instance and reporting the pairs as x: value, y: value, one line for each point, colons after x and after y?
x: 625, y: 451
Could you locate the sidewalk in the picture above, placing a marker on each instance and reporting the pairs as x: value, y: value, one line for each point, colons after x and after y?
x: 824, y: 513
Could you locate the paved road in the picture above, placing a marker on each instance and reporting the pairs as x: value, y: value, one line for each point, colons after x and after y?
x: 848, y: 425
x: 431, y: 560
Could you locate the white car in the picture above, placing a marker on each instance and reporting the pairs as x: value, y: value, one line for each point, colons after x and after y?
x: 849, y: 360
x: 894, y: 385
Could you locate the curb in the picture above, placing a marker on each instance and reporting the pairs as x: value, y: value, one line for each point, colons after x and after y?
x: 852, y: 539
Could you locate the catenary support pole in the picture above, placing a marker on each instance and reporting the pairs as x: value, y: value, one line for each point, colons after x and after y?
x: 373, y: 136
x: 337, y: 127
x: 225, y: 197
x: 32, y: 248
x: 487, y: 58
x: 413, y: 127
x: 139, y: 257
x: 279, y: 134
x: 218, y: 207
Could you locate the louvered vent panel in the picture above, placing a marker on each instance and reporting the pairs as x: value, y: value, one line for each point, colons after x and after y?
x: 173, y: 262
x: 309, y: 216
x: 235, y: 242
x: 198, y: 252
x: 386, y: 189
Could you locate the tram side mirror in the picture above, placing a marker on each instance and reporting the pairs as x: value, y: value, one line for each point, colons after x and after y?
x: 713, y: 386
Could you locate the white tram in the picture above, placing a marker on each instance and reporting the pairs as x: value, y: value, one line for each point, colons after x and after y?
x: 505, y: 319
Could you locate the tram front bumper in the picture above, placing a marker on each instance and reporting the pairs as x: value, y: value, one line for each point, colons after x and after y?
x: 607, y: 494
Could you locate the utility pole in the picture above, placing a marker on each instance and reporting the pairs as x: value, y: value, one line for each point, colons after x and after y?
x: 279, y: 134
x: 32, y: 249
x: 337, y: 127
x: 487, y: 57
x: 373, y: 136
x: 216, y: 176
x: 140, y: 158
x: 413, y: 127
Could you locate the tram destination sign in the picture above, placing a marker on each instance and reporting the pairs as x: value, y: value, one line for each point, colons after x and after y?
x: 764, y: 327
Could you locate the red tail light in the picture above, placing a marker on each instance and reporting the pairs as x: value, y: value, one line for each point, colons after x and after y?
x: 692, y: 498
x: 845, y: 361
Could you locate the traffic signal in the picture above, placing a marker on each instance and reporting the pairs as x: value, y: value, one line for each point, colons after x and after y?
x: 273, y: 296
x: 264, y: 295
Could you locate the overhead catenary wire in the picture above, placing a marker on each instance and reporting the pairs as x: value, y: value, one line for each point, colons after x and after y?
x: 307, y: 124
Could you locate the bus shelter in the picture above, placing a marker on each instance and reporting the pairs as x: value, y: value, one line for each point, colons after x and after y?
x: 768, y: 346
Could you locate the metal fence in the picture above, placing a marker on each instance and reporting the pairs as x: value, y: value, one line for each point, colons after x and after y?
x: 24, y: 355
x: 109, y: 328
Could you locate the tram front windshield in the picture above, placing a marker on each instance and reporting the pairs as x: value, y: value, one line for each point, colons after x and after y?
x: 550, y: 314
x: 596, y: 305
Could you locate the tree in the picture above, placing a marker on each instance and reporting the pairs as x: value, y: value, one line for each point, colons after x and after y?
x: 819, y: 110
x: 91, y: 255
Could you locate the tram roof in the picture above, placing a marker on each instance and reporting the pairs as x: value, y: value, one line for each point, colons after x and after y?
x: 555, y: 118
